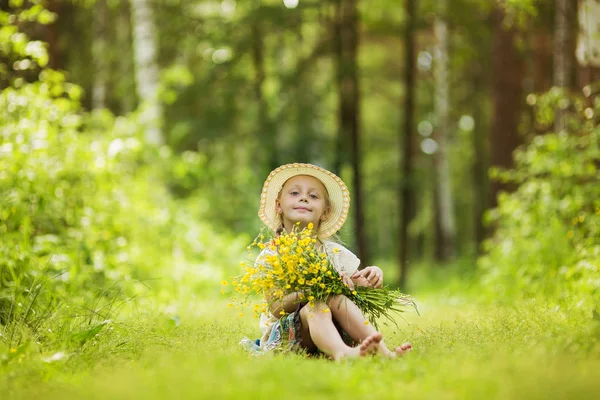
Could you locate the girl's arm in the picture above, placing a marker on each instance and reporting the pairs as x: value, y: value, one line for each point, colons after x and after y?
x: 288, y: 304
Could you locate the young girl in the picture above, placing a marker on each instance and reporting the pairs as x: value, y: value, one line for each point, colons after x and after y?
x: 306, y: 194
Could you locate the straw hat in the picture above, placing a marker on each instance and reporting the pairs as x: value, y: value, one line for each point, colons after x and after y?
x: 336, y: 189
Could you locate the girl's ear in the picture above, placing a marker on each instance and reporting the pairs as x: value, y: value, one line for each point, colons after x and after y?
x: 277, y: 206
x: 326, y: 213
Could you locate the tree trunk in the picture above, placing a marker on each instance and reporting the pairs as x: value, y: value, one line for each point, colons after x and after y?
x: 588, y: 42
x: 126, y: 91
x: 443, y: 194
x: 406, y: 138
x: 51, y: 35
x: 562, y: 56
x: 340, y: 141
x: 99, y: 54
x: 146, y: 68
x: 350, y: 113
x: 507, y: 94
x: 266, y: 131
x: 305, y: 137
x: 480, y: 153
x: 542, y: 62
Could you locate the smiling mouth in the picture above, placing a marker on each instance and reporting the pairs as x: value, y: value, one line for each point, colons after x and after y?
x: 301, y: 208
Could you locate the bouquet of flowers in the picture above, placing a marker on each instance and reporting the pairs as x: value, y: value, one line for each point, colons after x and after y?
x: 294, y: 263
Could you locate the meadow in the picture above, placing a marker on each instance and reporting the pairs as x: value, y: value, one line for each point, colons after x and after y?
x: 464, y: 348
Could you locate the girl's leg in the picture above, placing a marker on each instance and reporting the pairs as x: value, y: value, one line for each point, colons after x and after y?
x: 352, y: 320
x: 319, y: 331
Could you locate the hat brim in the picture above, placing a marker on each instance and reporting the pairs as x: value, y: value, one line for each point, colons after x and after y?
x: 339, y: 196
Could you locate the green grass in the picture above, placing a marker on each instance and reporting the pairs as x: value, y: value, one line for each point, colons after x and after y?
x: 461, y: 350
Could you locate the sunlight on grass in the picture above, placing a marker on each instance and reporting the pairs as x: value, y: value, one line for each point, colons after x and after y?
x: 462, y: 350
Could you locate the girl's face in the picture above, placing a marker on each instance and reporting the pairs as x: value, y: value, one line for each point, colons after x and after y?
x: 303, y: 199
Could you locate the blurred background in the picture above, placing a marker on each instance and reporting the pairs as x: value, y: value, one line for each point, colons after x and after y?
x: 135, y: 137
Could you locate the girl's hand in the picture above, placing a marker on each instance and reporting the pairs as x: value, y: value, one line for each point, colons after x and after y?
x: 373, y: 274
x: 347, y: 281
x: 360, y: 281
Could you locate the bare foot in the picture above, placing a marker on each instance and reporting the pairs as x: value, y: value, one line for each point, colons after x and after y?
x: 398, y: 351
x: 367, y: 347
x: 402, y: 349
x: 370, y: 345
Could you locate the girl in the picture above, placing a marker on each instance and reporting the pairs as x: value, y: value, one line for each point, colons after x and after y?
x: 306, y: 194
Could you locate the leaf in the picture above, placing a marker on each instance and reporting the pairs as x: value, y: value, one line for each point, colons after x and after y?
x: 81, y: 337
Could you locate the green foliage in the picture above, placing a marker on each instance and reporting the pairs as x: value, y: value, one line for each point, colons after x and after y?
x: 85, y: 208
x: 547, y: 238
x: 86, y: 220
x: 18, y: 53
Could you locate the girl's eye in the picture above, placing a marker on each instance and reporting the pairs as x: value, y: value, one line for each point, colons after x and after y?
x: 314, y: 196
x: 294, y: 193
